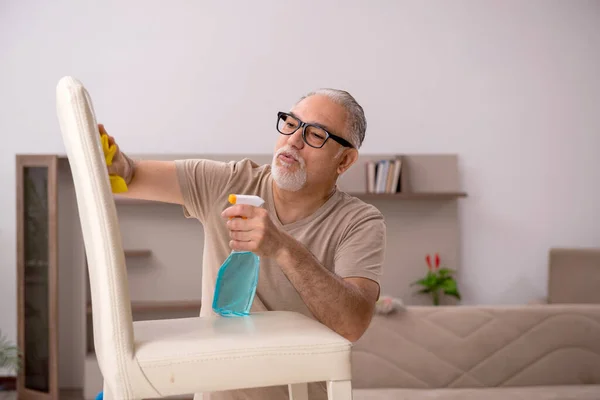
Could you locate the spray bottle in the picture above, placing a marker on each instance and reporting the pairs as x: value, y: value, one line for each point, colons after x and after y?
x: 238, y: 276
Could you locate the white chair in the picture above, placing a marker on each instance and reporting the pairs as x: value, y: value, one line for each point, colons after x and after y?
x: 154, y: 359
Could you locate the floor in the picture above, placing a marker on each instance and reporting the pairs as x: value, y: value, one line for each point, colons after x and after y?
x: 64, y: 395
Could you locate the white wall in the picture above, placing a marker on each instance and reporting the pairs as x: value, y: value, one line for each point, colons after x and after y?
x: 513, y: 87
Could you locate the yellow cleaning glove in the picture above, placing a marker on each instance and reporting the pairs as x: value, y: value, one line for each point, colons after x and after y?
x: 117, y: 183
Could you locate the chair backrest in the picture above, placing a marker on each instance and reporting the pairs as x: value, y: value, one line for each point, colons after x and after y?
x: 111, y: 307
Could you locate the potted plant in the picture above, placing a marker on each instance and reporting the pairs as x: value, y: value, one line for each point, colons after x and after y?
x: 9, y: 355
x: 438, y: 281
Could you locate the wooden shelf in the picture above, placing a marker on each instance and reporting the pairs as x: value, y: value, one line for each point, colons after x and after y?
x: 119, y: 199
x: 412, y: 195
x: 138, y: 253
x: 362, y: 195
x: 159, y: 306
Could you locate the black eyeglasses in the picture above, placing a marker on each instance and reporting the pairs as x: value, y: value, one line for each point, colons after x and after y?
x: 313, y: 135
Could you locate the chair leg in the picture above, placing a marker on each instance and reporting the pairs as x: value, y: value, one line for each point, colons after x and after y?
x: 298, y: 391
x: 339, y: 390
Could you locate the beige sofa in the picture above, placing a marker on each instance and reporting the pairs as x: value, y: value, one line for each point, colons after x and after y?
x: 480, y: 352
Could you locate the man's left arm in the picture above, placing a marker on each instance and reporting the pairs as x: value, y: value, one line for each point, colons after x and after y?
x: 345, y: 305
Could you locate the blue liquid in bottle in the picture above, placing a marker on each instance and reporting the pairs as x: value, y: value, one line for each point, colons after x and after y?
x: 238, y: 276
x: 236, y: 284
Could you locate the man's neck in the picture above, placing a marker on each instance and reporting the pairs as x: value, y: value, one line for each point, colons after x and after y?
x: 294, y: 206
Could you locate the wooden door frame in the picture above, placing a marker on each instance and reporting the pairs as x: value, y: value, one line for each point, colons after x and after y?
x: 50, y: 162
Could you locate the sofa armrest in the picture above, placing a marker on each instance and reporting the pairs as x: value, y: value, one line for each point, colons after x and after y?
x: 538, y: 300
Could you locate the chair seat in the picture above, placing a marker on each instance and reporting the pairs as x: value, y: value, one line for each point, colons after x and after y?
x: 192, y: 355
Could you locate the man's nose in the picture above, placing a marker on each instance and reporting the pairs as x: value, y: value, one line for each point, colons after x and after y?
x: 296, y: 139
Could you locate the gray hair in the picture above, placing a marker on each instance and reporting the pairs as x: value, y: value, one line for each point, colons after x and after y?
x: 356, y: 121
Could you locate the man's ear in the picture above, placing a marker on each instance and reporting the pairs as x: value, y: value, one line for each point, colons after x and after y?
x: 347, y: 158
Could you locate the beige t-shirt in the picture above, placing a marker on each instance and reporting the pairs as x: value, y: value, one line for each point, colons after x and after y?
x: 345, y: 234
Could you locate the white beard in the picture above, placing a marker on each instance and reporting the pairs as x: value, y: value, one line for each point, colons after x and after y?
x: 284, y: 175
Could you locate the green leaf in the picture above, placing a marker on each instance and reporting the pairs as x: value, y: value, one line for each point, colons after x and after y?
x: 449, y: 287
x: 454, y: 294
x: 422, y: 281
x: 429, y: 280
x: 449, y: 284
x: 9, y: 355
x: 446, y: 272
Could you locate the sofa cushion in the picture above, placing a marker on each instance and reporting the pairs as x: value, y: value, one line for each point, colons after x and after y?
x: 569, y: 392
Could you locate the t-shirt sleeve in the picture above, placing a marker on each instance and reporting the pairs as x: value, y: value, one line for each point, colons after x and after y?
x: 202, y: 182
x: 361, y: 252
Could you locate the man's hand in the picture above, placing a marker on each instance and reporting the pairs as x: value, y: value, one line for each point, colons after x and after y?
x: 251, y: 229
x: 120, y: 164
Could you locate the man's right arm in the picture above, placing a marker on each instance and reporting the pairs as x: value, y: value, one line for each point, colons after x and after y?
x: 146, y: 179
x: 154, y: 180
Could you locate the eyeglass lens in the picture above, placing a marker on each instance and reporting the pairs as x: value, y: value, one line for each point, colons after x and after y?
x: 314, y: 136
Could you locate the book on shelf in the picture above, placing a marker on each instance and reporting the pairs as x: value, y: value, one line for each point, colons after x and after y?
x: 383, y: 176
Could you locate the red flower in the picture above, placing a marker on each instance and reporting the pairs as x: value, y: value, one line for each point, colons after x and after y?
x: 437, y: 260
x: 428, y: 259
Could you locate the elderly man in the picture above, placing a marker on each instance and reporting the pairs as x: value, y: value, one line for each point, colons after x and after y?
x: 321, y: 249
